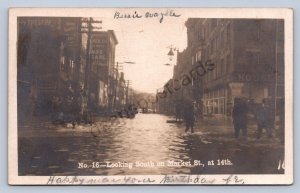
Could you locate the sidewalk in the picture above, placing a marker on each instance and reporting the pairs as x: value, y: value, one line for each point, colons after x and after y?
x: 43, y: 127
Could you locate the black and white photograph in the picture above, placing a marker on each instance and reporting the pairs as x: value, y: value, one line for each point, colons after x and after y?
x: 182, y: 96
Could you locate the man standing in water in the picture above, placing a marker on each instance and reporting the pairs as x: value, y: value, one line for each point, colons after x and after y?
x: 239, y: 116
x: 178, y: 109
x: 189, y: 116
x: 264, y: 118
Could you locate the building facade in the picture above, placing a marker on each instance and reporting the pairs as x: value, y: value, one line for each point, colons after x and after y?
x: 50, y: 60
x: 246, y: 59
x: 59, y: 59
x: 249, y: 61
x: 102, y: 73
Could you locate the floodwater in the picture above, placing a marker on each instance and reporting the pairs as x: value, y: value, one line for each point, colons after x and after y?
x: 146, y: 144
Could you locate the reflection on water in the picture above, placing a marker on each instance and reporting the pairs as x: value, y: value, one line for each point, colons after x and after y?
x: 146, y: 138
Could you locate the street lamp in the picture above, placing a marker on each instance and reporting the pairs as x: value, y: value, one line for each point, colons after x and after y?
x: 171, y: 52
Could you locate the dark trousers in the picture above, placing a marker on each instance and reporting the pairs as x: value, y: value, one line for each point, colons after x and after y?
x: 237, y: 131
x: 260, y: 128
x: 178, y: 117
x: 189, y: 124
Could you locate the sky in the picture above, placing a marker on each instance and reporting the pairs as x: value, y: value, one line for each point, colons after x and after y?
x: 145, y: 41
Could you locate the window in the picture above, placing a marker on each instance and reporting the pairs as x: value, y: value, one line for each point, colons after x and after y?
x: 215, y: 106
x: 214, y: 23
x: 212, y: 46
x: 71, y: 65
x: 62, y: 62
x: 253, y: 58
x: 215, y: 72
x: 200, y: 35
x: 216, y: 44
x: 208, y: 51
x: 207, y: 32
x: 219, y: 68
x: 224, y: 38
x: 224, y: 63
x: 199, y: 56
x: 81, y: 68
x: 228, y: 34
x: 221, y: 106
x: 228, y: 63
x: 221, y: 40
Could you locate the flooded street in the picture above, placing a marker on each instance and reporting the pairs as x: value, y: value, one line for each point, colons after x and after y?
x: 135, y: 146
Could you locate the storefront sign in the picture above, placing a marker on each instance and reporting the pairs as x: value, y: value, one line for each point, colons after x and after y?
x: 236, y: 88
x: 71, y: 31
x: 253, y: 77
x: 99, y: 49
x: 54, y: 23
x: 64, y: 26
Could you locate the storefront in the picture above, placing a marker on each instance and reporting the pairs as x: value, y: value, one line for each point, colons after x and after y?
x: 215, y: 102
x: 220, y: 101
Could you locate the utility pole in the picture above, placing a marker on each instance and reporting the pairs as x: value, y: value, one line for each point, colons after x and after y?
x: 116, y: 70
x: 116, y: 82
x: 88, y: 29
x: 128, y: 101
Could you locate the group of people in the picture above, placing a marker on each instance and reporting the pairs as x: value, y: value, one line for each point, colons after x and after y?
x: 263, y: 114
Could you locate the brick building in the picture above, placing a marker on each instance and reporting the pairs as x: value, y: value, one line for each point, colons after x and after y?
x: 102, y: 80
x: 248, y: 57
x: 51, y: 56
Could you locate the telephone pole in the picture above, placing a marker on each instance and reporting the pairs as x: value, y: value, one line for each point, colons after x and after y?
x: 88, y: 28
